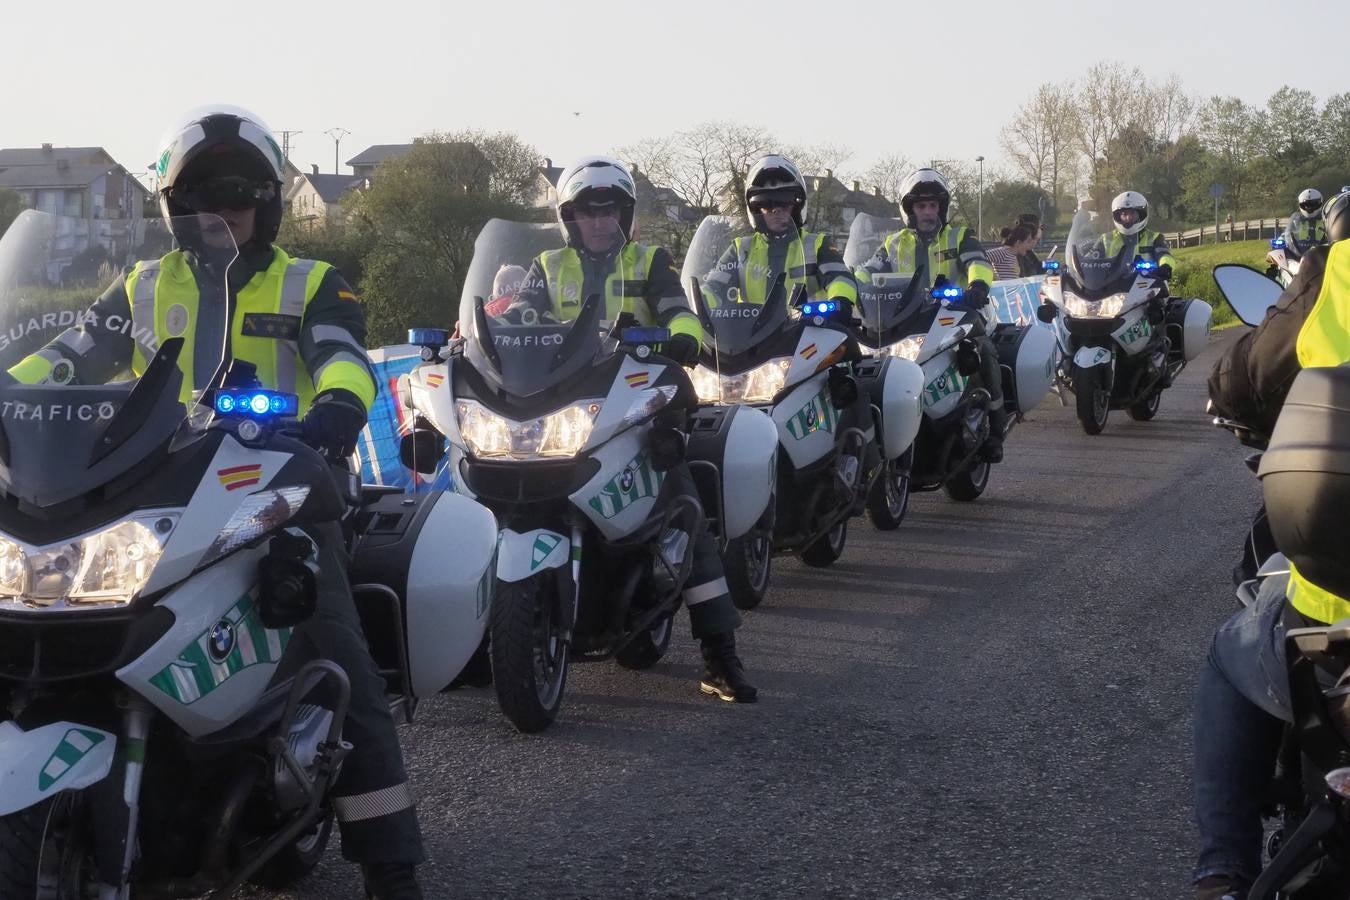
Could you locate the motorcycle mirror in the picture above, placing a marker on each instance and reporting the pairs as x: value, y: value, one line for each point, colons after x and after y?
x: 1249, y: 293
x: 1046, y: 312
x: 421, y: 451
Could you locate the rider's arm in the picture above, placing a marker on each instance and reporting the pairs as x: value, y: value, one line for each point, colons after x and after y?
x: 1162, y: 253
x: 973, y: 261
x: 333, y: 340
x: 833, y: 275
x: 1249, y: 382
x: 666, y: 298
x: 92, y: 352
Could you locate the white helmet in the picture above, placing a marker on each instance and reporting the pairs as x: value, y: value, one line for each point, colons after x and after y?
x: 214, y: 142
x: 596, y: 181
x: 925, y: 184
x: 1130, y: 200
x: 1310, y: 201
x: 775, y: 177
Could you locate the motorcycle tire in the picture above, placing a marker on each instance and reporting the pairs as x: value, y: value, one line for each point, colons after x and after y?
x: 646, y: 649
x: 1093, y: 402
x: 529, y: 658
x: 747, y: 564
x: 827, y: 548
x: 298, y: 859
x: 1147, y: 408
x: 970, y: 482
x: 42, y: 847
x: 888, y: 500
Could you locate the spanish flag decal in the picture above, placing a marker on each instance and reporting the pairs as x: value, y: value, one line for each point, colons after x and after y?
x: 348, y: 296
x: 240, y: 476
x: 435, y: 381
x: 947, y: 321
x: 808, y: 351
x: 638, y: 379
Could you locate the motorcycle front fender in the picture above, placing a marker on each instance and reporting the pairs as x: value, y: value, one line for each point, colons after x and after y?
x: 38, y: 764
x: 520, y: 555
x: 1087, y: 357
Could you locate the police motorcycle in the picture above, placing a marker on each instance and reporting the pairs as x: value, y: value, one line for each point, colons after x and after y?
x: 839, y: 425
x: 903, y: 320
x: 567, y: 431
x: 1126, y: 336
x: 161, y: 734
x: 1281, y: 265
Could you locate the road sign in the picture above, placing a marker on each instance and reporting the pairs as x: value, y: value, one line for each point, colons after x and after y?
x: 1216, y: 191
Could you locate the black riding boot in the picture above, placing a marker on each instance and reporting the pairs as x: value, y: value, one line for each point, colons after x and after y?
x: 723, y: 674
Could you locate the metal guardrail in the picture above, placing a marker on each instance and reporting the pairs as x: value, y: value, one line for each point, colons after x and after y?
x: 1250, y: 230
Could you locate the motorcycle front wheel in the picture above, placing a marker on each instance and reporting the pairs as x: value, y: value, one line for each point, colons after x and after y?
x: 529, y: 652
x: 1093, y: 399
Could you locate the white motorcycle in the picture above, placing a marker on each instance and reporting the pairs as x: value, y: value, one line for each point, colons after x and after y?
x: 567, y: 431
x: 901, y: 319
x: 162, y: 735
x: 1124, y: 338
x: 840, y: 426
x: 1281, y: 264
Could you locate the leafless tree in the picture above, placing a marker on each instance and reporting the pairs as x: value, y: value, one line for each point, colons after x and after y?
x: 1041, y: 140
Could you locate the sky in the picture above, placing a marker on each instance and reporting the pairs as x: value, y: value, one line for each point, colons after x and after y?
x: 924, y: 80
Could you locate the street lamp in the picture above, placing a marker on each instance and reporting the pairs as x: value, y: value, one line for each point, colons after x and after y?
x: 979, y: 203
x: 337, y: 134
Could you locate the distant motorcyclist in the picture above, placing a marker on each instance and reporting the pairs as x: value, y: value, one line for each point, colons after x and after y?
x: 1305, y: 229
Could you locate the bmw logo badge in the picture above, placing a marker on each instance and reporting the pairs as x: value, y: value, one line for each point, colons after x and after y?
x: 626, y: 480
x: 222, y: 641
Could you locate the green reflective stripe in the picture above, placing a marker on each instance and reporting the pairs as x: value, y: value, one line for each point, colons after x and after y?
x: 74, y: 746
x: 194, y: 674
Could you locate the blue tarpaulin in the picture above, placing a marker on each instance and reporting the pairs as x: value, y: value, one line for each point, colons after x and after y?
x: 378, y: 448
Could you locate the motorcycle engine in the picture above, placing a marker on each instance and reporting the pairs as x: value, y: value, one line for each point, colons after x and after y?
x: 308, y: 732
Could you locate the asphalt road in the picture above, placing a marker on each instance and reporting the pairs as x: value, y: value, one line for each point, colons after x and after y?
x: 993, y: 701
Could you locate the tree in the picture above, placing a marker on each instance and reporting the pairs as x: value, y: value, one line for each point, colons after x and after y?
x: 1333, y: 131
x: 1108, y: 99
x: 1289, y: 124
x: 10, y: 207
x: 419, y: 220
x: 887, y: 174
x: 1006, y: 199
x: 1041, y: 139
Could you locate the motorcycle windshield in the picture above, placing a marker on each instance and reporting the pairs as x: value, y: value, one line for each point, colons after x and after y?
x: 866, y: 233
x: 525, y: 323
x: 99, y: 354
x: 740, y: 304
x: 1097, y: 255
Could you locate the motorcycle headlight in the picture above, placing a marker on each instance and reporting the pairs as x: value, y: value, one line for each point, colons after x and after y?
x: 1094, y: 309
x: 908, y: 348
x: 558, y: 434
x: 259, y: 514
x: 707, y: 384
x: 760, y: 385
x: 106, y: 568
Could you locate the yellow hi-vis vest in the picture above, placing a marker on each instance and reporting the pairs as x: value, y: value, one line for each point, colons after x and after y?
x: 164, y: 297
x: 944, y: 256
x: 1324, y: 340
x: 801, y: 265
x: 625, y: 288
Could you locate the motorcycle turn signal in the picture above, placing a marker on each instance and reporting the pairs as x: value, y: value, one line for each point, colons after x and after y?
x: 666, y: 446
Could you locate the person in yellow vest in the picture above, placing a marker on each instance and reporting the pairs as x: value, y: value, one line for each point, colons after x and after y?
x: 776, y: 204
x: 300, y: 324
x: 597, y: 203
x: 1242, y: 700
x: 930, y: 247
x: 1129, y: 214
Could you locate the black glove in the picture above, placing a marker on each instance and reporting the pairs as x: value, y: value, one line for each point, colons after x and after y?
x: 1164, y: 272
x: 681, y: 349
x: 334, y: 422
x: 978, y: 293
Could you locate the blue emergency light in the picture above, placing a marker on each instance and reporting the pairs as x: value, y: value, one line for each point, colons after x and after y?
x: 1050, y: 265
x: 950, y: 292
x: 1145, y: 265
x: 820, y: 308
x: 1277, y: 243
x: 645, y: 335
x: 428, y: 337
x: 255, y: 403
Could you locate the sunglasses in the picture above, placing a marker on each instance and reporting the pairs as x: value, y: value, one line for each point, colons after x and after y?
x: 215, y: 194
